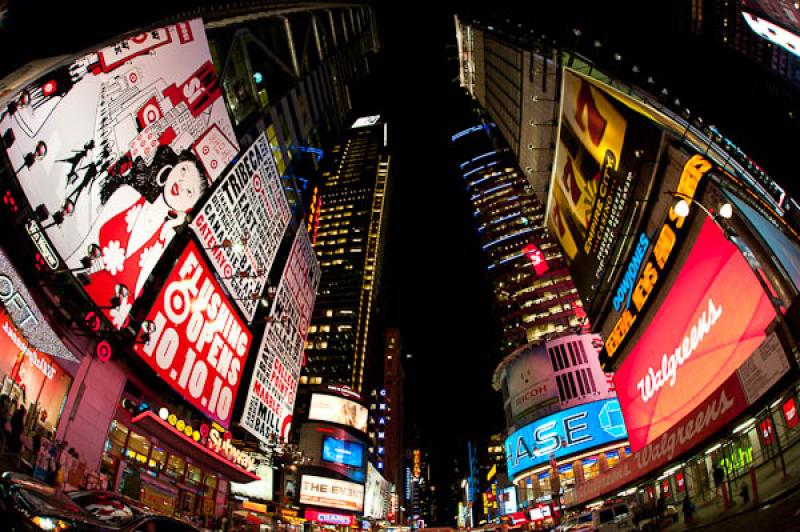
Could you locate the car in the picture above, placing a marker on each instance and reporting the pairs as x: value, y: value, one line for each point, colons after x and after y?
x: 28, y: 504
x: 124, y: 514
x: 617, y: 517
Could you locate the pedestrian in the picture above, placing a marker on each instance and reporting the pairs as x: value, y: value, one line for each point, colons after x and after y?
x: 719, y: 477
x: 745, y: 493
x: 688, y: 509
x: 17, y: 424
x: 661, y: 505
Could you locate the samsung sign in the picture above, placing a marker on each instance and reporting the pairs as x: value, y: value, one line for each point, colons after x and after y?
x: 565, y: 433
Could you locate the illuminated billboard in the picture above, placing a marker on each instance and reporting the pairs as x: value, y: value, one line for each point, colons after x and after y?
x: 712, y: 319
x: 331, y: 493
x: 258, y: 489
x: 273, y: 385
x: 199, y: 344
x: 595, y: 173
x: 563, y: 434
x: 554, y: 375
x: 376, y: 496
x: 248, y: 209
x: 338, y: 410
x: 343, y: 452
x: 773, y: 33
x: 121, y: 143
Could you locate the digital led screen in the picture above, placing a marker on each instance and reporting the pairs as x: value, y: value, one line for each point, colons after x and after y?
x: 331, y: 493
x: 343, y: 452
x: 563, y: 434
x: 338, y: 410
x: 711, y: 320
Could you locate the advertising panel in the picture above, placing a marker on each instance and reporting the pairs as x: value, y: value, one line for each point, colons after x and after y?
x: 258, y: 489
x: 342, y: 452
x: 331, y: 493
x: 555, y: 375
x: 790, y: 413
x: 563, y: 434
x: 320, y: 443
x: 273, y: 386
x: 651, y: 259
x: 338, y: 410
x: 30, y: 376
x: 773, y: 33
x: 376, y: 501
x: 716, y: 410
x: 329, y: 518
x: 199, y: 343
x: 711, y: 320
x: 122, y: 142
x: 26, y: 315
x: 248, y: 209
x: 595, y: 172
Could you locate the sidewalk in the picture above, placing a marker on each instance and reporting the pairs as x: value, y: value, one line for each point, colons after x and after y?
x: 712, y: 512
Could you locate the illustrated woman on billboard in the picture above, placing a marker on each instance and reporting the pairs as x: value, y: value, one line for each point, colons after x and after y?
x: 139, y: 210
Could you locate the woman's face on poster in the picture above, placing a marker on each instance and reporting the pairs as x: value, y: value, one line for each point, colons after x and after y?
x: 183, y: 186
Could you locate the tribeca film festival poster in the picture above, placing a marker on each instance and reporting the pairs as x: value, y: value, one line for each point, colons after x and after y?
x: 199, y: 344
x: 595, y: 174
x: 123, y: 142
x: 248, y: 209
x: 270, y: 399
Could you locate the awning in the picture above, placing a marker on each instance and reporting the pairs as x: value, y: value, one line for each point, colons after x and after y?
x: 201, y: 455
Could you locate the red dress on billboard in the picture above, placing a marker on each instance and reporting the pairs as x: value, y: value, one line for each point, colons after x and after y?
x: 126, y: 261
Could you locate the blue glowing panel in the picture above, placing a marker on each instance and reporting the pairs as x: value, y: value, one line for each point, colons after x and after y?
x: 347, y: 453
x: 565, y: 433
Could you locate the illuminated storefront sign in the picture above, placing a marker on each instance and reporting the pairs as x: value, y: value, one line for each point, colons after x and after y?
x: 331, y: 493
x: 119, y: 145
x: 632, y: 303
x: 790, y: 413
x: 710, y: 322
x: 329, y: 518
x: 199, y: 344
x: 565, y: 433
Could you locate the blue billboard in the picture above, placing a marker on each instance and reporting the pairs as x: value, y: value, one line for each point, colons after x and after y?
x: 343, y: 452
x: 565, y: 433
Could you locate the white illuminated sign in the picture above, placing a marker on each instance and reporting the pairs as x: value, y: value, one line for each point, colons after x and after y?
x: 773, y: 33
x: 331, y: 493
x: 338, y: 410
x: 366, y: 121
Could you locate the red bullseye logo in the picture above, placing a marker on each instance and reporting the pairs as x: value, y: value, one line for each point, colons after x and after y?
x: 104, y: 351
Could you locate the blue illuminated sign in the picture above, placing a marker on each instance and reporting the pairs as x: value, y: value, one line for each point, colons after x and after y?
x: 625, y: 288
x: 565, y: 433
x: 343, y: 452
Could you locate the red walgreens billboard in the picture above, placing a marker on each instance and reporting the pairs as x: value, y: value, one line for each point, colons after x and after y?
x: 712, y: 319
x: 199, y: 344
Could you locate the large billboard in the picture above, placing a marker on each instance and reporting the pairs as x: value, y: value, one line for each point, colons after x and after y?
x: 331, y: 493
x: 261, y: 489
x: 273, y: 386
x: 555, y: 375
x: 199, y: 344
x: 338, y: 410
x: 243, y: 223
x: 122, y: 143
x: 343, y: 452
x: 376, y: 498
x: 563, y: 434
x: 595, y: 174
x: 712, y: 319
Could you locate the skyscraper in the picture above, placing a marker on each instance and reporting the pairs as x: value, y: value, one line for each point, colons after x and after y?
x: 532, y: 287
x: 349, y: 230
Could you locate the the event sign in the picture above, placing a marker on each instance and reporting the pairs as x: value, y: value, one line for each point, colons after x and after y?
x: 565, y: 433
x: 271, y: 396
x: 712, y: 319
x: 331, y: 493
x: 243, y: 222
x: 199, y: 344
x: 122, y: 142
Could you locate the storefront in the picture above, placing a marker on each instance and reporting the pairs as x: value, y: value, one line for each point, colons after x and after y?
x: 154, y: 461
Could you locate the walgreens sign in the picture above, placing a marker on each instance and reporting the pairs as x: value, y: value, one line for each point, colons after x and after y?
x: 199, y: 344
x: 713, y: 318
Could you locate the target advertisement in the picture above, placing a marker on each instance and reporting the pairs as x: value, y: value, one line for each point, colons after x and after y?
x: 199, y: 344
x: 273, y: 387
x: 115, y: 149
x: 712, y: 319
x: 243, y: 222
